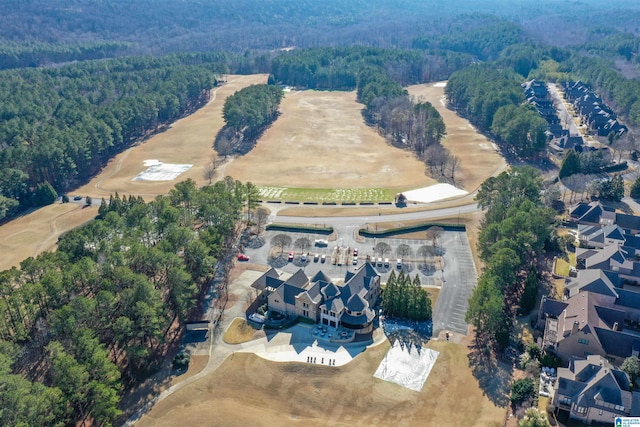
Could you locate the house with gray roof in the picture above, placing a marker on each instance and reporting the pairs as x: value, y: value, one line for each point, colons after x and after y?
x: 319, y: 299
x: 591, y: 390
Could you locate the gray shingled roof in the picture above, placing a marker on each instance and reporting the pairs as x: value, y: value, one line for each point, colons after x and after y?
x: 586, y: 381
x: 627, y: 298
x: 298, y: 280
x: 616, y: 343
x: 268, y: 279
x: 356, y: 303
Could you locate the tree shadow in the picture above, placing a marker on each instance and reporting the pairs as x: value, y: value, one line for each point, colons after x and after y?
x: 621, y: 206
x: 494, y: 377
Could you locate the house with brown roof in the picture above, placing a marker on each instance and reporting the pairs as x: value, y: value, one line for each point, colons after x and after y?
x: 593, y: 391
x: 585, y: 324
x: 319, y: 299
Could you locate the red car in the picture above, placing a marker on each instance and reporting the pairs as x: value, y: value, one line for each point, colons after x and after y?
x: 243, y: 257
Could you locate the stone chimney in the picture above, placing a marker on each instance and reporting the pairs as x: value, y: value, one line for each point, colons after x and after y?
x: 574, y: 329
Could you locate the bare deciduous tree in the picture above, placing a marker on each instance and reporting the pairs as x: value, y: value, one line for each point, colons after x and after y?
x: 281, y: 241
x: 433, y: 234
x: 403, y: 250
x: 302, y: 243
x: 261, y: 215
x: 210, y: 170
x: 382, y: 248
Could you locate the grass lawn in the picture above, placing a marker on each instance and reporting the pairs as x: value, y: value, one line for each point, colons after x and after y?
x: 238, y: 332
x: 562, y: 266
x: 327, y: 194
x: 248, y: 390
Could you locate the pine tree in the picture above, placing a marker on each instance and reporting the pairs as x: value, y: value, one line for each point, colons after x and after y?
x: 570, y: 165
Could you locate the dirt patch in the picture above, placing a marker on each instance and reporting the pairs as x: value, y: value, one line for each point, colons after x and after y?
x: 321, y: 141
x: 478, y: 156
x: 187, y: 141
x: 38, y: 231
x: 248, y: 390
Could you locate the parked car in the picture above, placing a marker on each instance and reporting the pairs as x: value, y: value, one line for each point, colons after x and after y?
x: 355, y: 260
x: 355, y: 252
x: 316, y: 257
x: 399, y: 264
x: 243, y: 257
x: 257, y: 318
x: 323, y: 258
x: 379, y: 262
x: 290, y: 257
x: 321, y: 242
x: 303, y: 258
x: 386, y: 262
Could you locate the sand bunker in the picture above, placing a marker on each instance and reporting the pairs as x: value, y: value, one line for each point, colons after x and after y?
x: 433, y: 193
x: 407, y: 366
x: 158, y: 171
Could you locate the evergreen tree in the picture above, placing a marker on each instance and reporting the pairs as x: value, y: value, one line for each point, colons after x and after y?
x: 635, y: 189
x: 570, y: 165
x: 45, y: 194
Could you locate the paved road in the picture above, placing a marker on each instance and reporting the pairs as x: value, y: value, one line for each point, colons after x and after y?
x: 565, y: 116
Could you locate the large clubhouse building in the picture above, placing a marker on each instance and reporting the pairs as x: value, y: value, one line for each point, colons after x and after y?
x: 349, y: 305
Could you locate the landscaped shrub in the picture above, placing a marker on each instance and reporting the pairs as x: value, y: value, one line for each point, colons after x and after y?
x: 521, y: 390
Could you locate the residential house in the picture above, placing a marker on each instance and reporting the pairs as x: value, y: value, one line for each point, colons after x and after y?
x: 588, y: 324
x: 593, y: 391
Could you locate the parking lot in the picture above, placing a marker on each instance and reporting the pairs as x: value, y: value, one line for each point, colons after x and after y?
x: 449, y: 266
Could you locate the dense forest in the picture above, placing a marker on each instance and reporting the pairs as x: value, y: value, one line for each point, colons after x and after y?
x: 162, y: 26
x: 61, y: 125
x: 80, y: 325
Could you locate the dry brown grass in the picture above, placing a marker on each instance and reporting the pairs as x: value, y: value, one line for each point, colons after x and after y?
x: 197, y: 364
x: 238, y: 332
x: 321, y: 141
x: 479, y: 159
x: 38, y: 231
x: 434, y: 293
x: 188, y: 141
x: 248, y: 390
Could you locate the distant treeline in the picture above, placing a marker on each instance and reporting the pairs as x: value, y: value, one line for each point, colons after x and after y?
x: 35, y: 54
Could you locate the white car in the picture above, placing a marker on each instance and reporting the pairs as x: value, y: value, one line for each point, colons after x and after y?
x: 257, y: 318
x: 355, y: 260
x: 399, y: 264
x: 379, y: 262
x: 386, y: 262
x: 303, y: 258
